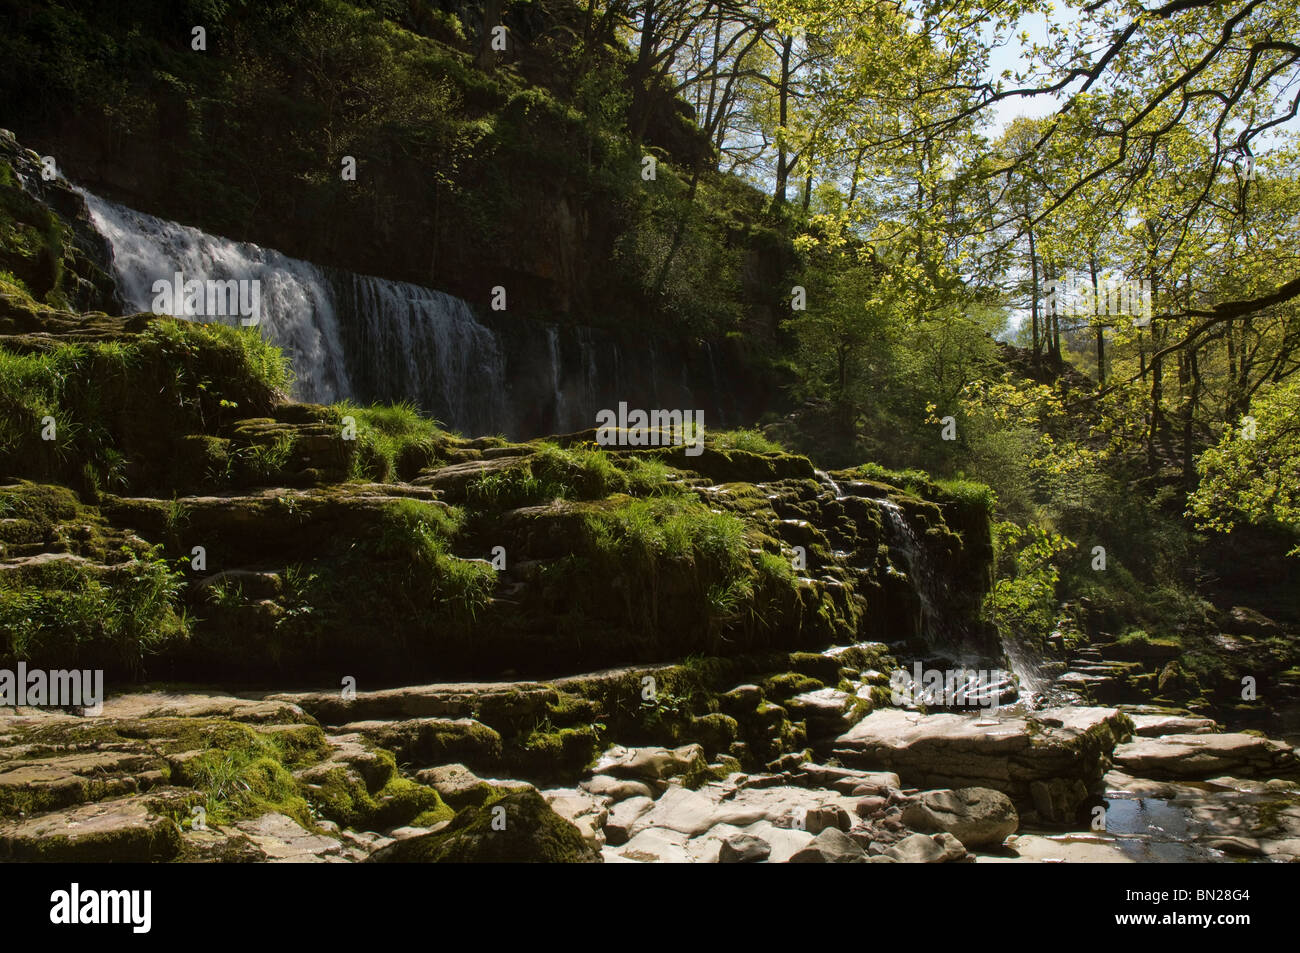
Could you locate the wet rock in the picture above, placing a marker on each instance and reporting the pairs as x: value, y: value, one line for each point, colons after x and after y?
x: 1008, y: 754
x: 1238, y: 846
x: 1033, y: 848
x: 1057, y: 800
x: 1241, y: 620
x: 1154, y: 726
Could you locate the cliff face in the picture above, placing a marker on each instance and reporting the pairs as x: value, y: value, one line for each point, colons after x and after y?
x: 48, y: 242
x: 466, y: 178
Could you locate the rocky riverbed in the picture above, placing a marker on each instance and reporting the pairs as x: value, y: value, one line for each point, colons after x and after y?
x: 420, y: 773
x: 338, y: 633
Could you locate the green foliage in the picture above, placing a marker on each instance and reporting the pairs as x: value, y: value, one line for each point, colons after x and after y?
x: 243, y: 772
x: 116, y: 406
x: 417, y: 534
x: 1253, y: 474
x: 752, y: 440
x: 573, y: 473
x: 1023, y: 599
x: 393, y: 441
x: 68, y: 615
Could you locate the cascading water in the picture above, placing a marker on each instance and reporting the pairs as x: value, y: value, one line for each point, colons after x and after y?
x: 937, y: 629
x: 401, y: 341
x: 918, y: 564
x: 370, y: 339
x: 825, y: 479
x: 406, y: 342
x: 297, y: 306
x: 553, y: 341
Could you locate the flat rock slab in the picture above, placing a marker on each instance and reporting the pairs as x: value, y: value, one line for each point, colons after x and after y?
x: 438, y: 700
x: 694, y: 812
x: 122, y: 830
x: 283, y: 840
x: 847, y: 780
x: 487, y: 701
x: 60, y: 780
x: 1153, y: 726
x: 432, y: 741
x: 828, y: 710
x: 1008, y: 753
x: 662, y: 845
x: 649, y: 764
x: 202, y: 705
x: 1205, y: 756
x: 1035, y: 849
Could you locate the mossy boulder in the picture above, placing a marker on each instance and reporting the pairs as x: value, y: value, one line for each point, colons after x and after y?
x: 518, y: 828
x: 430, y: 741
x: 124, y: 830
x: 740, y: 466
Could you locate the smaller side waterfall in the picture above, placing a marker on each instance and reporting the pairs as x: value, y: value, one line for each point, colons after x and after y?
x: 826, y: 481
x: 937, y: 629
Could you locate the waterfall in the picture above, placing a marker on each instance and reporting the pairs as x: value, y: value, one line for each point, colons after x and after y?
x: 407, y: 342
x: 298, y: 311
x: 553, y: 342
x: 399, y: 341
x: 825, y: 479
x: 936, y: 628
x: 371, y: 339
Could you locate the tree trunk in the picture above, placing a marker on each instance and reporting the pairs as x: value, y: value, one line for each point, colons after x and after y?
x: 782, y: 169
x: 1189, y: 420
x: 487, y: 57
x: 1100, y: 327
x: 1033, y: 290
